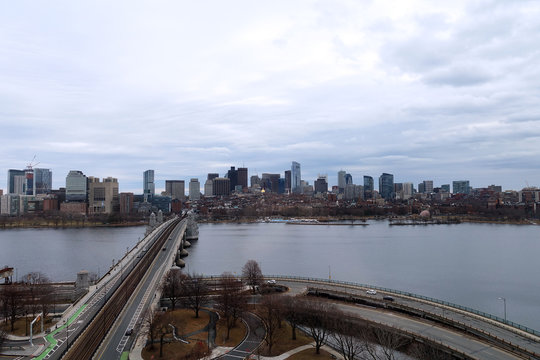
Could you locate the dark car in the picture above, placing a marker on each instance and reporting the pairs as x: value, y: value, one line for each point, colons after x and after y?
x: 388, y: 298
x: 129, y: 332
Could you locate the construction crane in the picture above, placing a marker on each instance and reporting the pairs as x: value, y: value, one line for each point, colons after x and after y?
x: 31, y: 164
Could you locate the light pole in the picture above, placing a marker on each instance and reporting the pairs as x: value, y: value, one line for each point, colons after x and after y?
x: 504, y: 302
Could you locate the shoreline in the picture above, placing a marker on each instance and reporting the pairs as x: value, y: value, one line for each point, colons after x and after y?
x: 69, y: 226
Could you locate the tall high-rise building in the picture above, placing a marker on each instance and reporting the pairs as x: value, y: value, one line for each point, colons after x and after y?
x: 386, y: 186
x: 428, y: 186
x: 270, y: 182
x: 287, y: 181
x: 296, y: 178
x: 76, y: 186
x: 368, y: 187
x: 149, y: 188
x: 242, y: 174
x: 221, y: 186
x: 29, y: 181
x: 255, y: 180
x: 103, y: 196
x: 321, y: 185
x: 460, y: 187
x: 42, y: 181
x: 341, y: 181
x: 194, y: 189
x: 348, y: 179
x: 232, y: 175
x: 408, y: 190
x: 445, y: 188
x: 20, y: 184
x: 212, y: 176
x: 175, y: 189
x: 11, y: 180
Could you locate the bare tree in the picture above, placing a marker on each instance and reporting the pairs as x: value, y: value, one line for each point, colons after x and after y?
x: 152, y: 319
x: 3, y: 337
x: 163, y: 329
x: 196, y: 292
x: 13, y: 299
x: 293, y: 310
x: 318, y: 320
x: 252, y: 274
x: 425, y: 352
x: 38, y: 292
x: 388, y: 342
x: 349, y: 338
x: 272, y: 321
x: 172, y: 286
x: 230, y: 300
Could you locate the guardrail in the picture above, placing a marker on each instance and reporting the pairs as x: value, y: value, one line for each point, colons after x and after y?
x: 416, y: 296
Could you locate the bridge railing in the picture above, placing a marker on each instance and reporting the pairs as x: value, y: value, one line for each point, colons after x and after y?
x: 406, y: 293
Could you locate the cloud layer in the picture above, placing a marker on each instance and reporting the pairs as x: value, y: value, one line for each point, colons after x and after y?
x: 419, y: 89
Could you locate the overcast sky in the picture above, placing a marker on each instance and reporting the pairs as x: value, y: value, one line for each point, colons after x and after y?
x: 425, y: 90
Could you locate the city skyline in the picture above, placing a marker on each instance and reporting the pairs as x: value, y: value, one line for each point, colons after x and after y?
x: 421, y: 90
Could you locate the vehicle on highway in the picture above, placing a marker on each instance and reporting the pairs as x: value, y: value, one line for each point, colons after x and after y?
x: 129, y: 332
x: 371, y: 292
x: 271, y: 282
x: 164, y: 249
x: 388, y: 298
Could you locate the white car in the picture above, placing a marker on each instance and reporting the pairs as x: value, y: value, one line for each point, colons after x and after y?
x: 271, y: 282
x: 371, y: 292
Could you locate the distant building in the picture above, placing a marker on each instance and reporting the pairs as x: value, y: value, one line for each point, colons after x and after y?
x: 368, y: 187
x: 445, y: 188
x: 194, y: 189
x: 9, y: 204
x: 74, y: 208
x: 408, y: 190
x: 255, y: 180
x: 11, y: 187
x: 126, y: 203
x: 232, y: 175
x: 242, y: 174
x: 348, y: 179
x: 341, y: 181
x: 162, y: 203
x: 321, y: 185
x: 288, y: 181
x: 221, y: 186
x: 461, y: 187
x: 212, y: 176
x: 42, y: 181
x: 149, y: 188
x: 386, y: 186
x: 76, y: 186
x: 103, y: 196
x: 208, y: 188
x: 495, y: 188
x: 428, y: 186
x: 175, y: 189
x: 529, y: 195
x: 270, y: 182
x: 296, y: 178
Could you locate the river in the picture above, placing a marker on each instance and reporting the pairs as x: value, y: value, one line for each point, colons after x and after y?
x: 468, y: 264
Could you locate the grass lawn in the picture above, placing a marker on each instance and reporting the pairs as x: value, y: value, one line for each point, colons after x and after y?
x: 284, y: 341
x: 310, y: 354
x: 21, y: 328
x: 186, y: 322
x: 237, y: 334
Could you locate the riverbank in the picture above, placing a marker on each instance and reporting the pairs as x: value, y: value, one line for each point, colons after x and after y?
x: 44, y: 224
x: 395, y: 220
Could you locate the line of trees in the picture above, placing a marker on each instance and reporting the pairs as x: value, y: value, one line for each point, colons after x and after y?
x: 31, y: 296
x: 326, y: 324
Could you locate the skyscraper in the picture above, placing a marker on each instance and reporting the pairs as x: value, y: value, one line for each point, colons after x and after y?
x: 42, y: 181
x: 428, y: 186
x: 368, y: 187
x: 341, y: 181
x: 386, y: 186
x: 287, y: 181
x: 242, y: 174
x: 460, y: 187
x: 321, y: 185
x: 175, y: 189
x: 149, y: 187
x: 296, y: 177
x: 103, y: 196
x: 348, y: 179
x: 232, y: 175
x: 76, y: 186
x: 194, y: 189
x: 11, y: 180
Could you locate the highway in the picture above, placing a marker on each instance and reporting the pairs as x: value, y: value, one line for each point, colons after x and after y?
x: 462, y: 340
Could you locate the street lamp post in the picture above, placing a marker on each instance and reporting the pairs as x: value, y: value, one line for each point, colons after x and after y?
x: 504, y: 302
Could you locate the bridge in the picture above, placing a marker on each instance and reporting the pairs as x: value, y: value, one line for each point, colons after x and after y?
x: 99, y: 326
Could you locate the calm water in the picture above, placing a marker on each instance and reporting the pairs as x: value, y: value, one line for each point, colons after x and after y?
x: 61, y: 253
x: 467, y: 264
